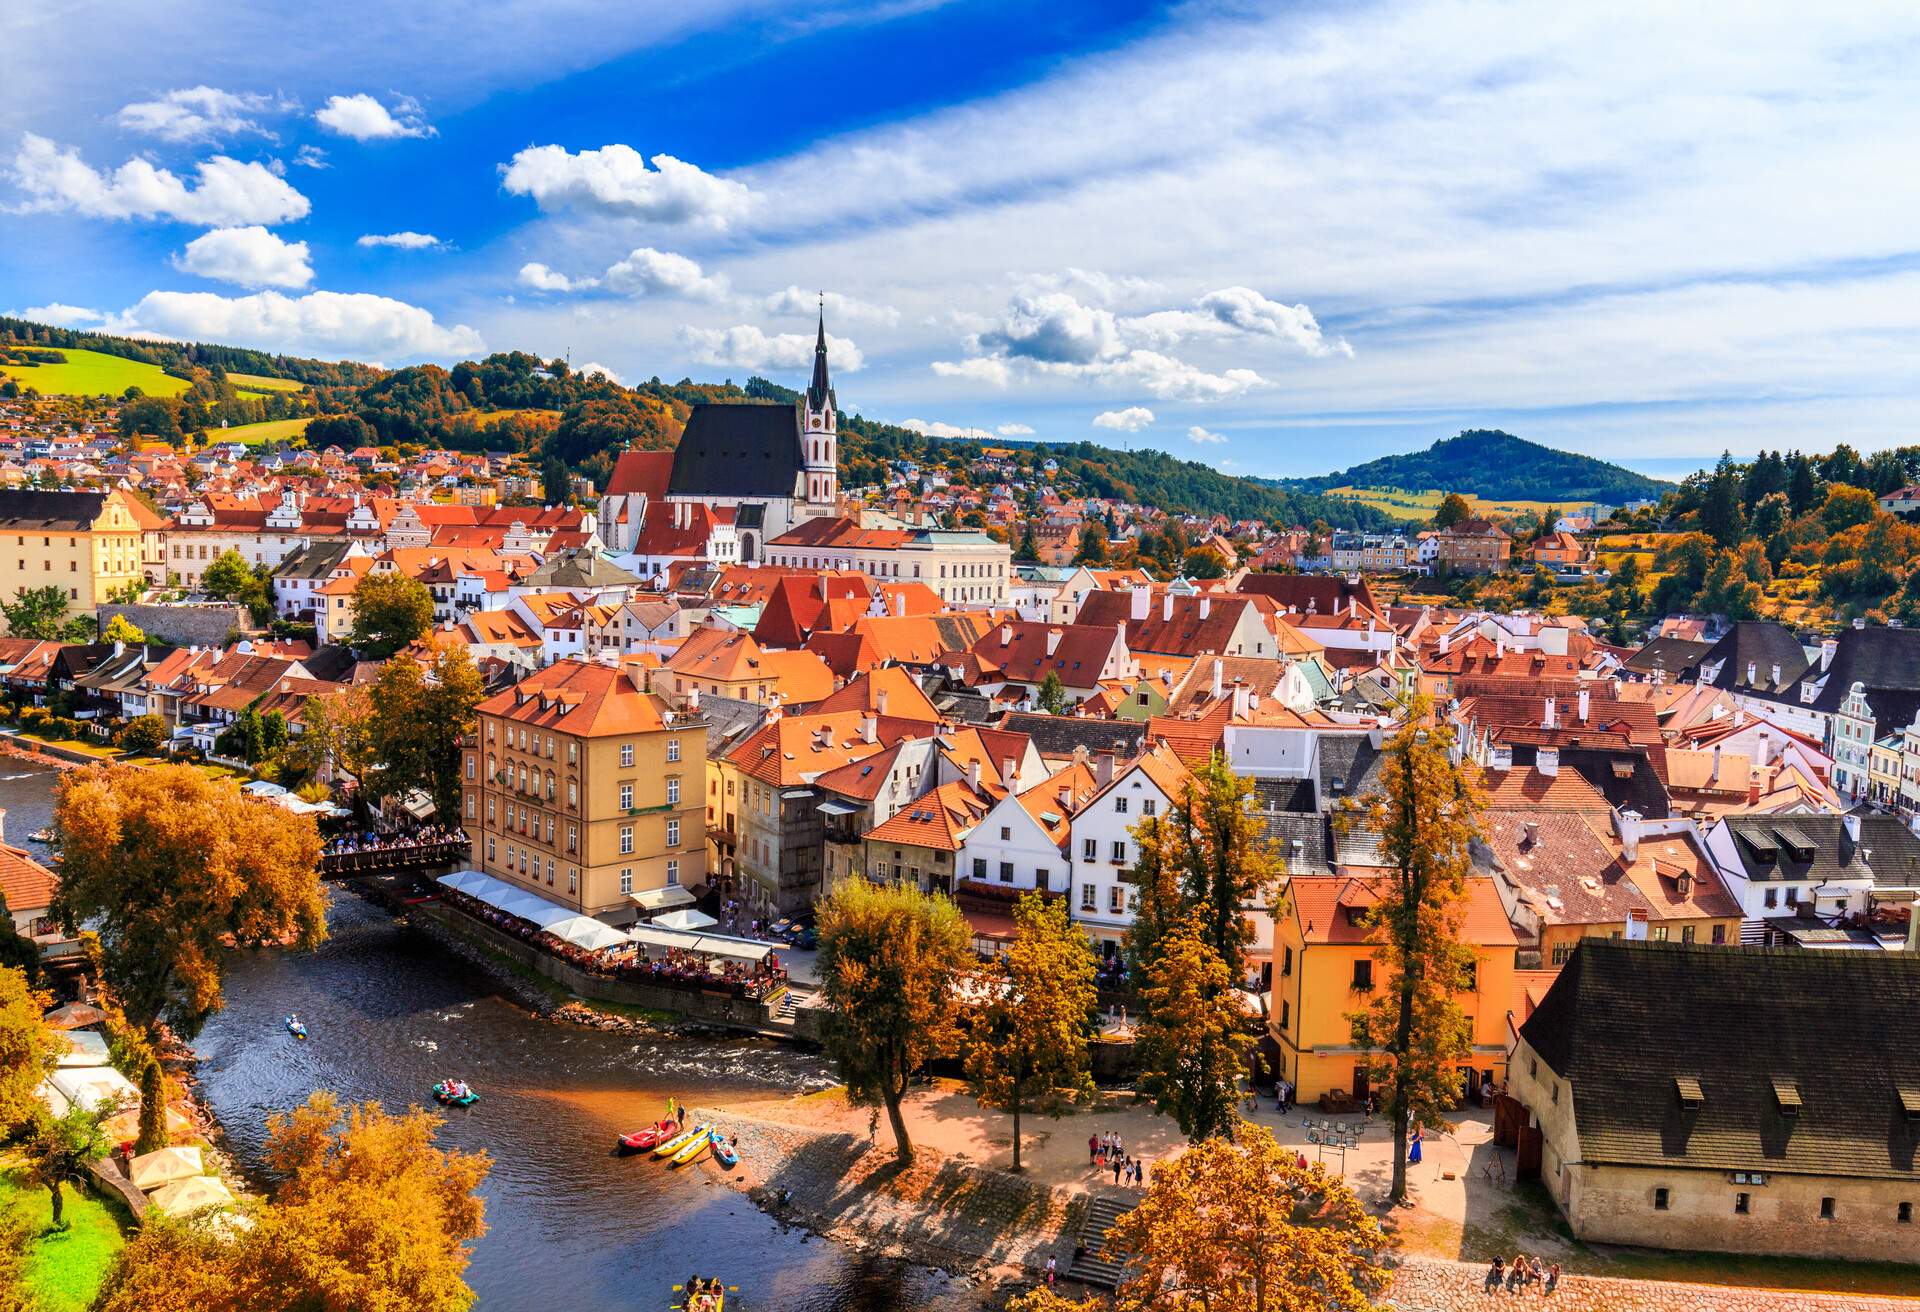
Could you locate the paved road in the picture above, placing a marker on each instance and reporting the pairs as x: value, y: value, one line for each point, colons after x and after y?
x: 1425, y: 1284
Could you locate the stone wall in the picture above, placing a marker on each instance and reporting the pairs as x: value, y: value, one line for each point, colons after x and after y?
x: 183, y: 626
x: 711, y: 1008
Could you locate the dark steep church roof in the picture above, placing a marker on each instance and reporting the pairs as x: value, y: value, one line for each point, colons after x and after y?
x: 1737, y: 1059
x: 739, y: 449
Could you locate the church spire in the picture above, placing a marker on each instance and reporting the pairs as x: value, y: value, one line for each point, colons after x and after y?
x: 820, y: 391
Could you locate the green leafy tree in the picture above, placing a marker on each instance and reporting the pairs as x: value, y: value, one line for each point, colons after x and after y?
x: 390, y: 612
x: 1413, y: 1028
x: 890, y: 958
x: 36, y: 613
x: 152, y: 1134
x: 1028, y: 1049
x: 1202, y: 564
x: 419, y: 714
x: 1092, y: 546
x: 228, y: 577
x: 1847, y: 506
x: 1192, y: 1038
x: 1029, y: 544
x: 59, y: 1148
x: 143, y: 735
x: 1453, y: 509
x: 1051, y: 696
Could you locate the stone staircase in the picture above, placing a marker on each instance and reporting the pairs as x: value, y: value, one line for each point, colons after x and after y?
x: 783, y: 1015
x: 1093, y: 1266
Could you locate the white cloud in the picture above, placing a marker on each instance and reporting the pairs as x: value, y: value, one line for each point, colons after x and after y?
x: 1055, y: 329
x: 363, y: 118
x: 251, y: 257
x: 1199, y: 434
x: 201, y: 113
x: 406, y: 241
x: 648, y: 272
x: 934, y: 428
x: 1131, y: 420
x: 979, y: 369
x: 840, y: 309
x: 328, y: 325
x: 616, y: 181
x: 1093, y: 284
x: 311, y: 157
x: 1014, y: 430
x: 229, y: 193
x: 543, y: 279
x: 747, y: 347
x: 590, y: 369
x: 1235, y: 311
x: 59, y: 314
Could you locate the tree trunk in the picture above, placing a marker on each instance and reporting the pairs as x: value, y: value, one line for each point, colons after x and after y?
x: 899, y: 1122
x: 1398, y: 1193
x: 59, y: 1202
x: 1016, y: 1134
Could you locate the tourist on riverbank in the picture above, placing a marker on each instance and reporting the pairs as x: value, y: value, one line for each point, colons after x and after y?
x: 1496, y: 1275
x: 1050, y: 1269
x: 1093, y: 1150
x: 1553, y: 1277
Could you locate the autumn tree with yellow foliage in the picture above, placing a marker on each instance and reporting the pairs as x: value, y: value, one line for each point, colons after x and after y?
x: 26, y: 1049
x: 1413, y: 1028
x: 1239, y: 1225
x: 421, y: 709
x: 370, y: 1216
x: 1028, y: 1049
x: 1192, y: 1039
x: 166, y: 866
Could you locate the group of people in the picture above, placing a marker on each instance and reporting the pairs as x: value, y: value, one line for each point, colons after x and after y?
x: 1105, y: 1152
x: 687, y: 969
x: 1523, y: 1272
x: 453, y: 1088
x: 704, y: 1293
x: 373, y: 841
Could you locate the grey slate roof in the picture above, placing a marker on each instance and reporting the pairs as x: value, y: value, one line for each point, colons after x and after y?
x: 29, y: 508
x: 729, y: 721
x: 1882, y: 658
x: 1796, y: 847
x: 581, y: 567
x: 1625, y: 1020
x: 1762, y: 644
x: 1625, y: 777
x: 1287, y: 814
x: 1058, y: 735
x: 738, y: 449
x: 1669, y: 656
x: 1892, y: 850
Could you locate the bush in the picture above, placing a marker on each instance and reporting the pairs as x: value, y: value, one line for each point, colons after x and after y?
x: 143, y: 734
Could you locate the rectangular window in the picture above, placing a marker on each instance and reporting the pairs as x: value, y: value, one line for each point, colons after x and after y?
x: 1286, y: 962
x: 1087, y: 902
x: 673, y: 833
x: 1826, y: 1209
x: 490, y: 850
x: 1773, y: 897
x: 469, y: 806
x: 1660, y: 1199
x: 469, y: 767
x: 1686, y: 933
x: 1148, y: 806
x: 626, y: 756
x: 1719, y: 933
x: 1659, y: 933
x: 979, y: 867
x: 626, y: 797
x: 1119, y: 806
x: 673, y: 792
x: 573, y: 838
x: 1363, y: 973
x: 1006, y: 872
x: 1116, y: 900
x: 1904, y: 1214
x: 1742, y: 1204
x: 1286, y: 1013
x: 626, y: 839
x: 573, y: 879
x: 1090, y: 850
x: 673, y: 872
x: 673, y: 749
x: 626, y: 880
x: 1120, y: 853
x: 1042, y: 878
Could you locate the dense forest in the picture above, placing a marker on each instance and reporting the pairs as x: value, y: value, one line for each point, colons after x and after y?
x: 1499, y: 467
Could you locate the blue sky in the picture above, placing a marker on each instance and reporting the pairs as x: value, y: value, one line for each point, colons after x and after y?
x: 1279, y: 238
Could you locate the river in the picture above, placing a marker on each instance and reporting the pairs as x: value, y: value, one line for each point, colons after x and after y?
x: 569, y: 1225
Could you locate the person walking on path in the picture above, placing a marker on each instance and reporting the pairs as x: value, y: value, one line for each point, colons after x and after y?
x: 1116, y: 1169
x: 1093, y: 1150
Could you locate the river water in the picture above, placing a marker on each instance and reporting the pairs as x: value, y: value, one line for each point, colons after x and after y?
x: 569, y: 1224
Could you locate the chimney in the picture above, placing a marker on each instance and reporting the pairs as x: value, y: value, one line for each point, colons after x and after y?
x: 1053, y: 641
x: 1547, y: 761
x: 1141, y: 601
x: 1242, y: 700
x: 3, y: 824
x: 1206, y: 605
x: 1103, y: 769
x: 1630, y: 836
x: 880, y: 701
x: 973, y: 774
x: 1079, y: 753
x: 869, y: 729
x: 1009, y: 773
x: 1446, y: 641
x: 1216, y: 678
x: 1006, y: 634
x: 693, y: 700
x: 1166, y: 608
x: 1584, y: 703
x: 1502, y: 758
x: 1828, y: 647
x: 1530, y: 835
x: 1546, y: 717
x: 900, y: 603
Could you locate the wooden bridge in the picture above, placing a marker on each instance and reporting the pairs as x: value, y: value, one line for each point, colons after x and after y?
x: 397, y: 859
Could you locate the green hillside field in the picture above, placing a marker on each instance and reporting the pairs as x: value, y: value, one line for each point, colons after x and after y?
x: 90, y: 373
x: 262, y: 383
x: 1419, y: 506
x: 274, y: 430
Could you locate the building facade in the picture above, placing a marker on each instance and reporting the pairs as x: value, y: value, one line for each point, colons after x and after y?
x: 86, y: 544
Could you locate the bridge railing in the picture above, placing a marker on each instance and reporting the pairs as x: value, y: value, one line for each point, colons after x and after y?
x: 403, y: 856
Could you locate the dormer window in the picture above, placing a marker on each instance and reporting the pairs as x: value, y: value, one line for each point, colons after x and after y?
x: 1786, y: 1095
x: 1687, y: 1088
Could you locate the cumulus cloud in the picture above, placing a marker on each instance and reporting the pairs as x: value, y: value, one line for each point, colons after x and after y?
x: 934, y: 428
x: 406, y: 241
x: 228, y: 193
x: 201, y: 113
x: 1092, y: 284
x: 1131, y: 420
x: 1199, y: 434
x: 648, y: 272
x: 1014, y: 430
x: 59, y: 314
x: 1054, y: 328
x: 841, y: 309
x: 543, y: 279
x: 365, y: 119
x: 589, y: 370
x: 1233, y: 311
x: 979, y: 369
x: 311, y: 157
x: 747, y: 347
x: 250, y: 256
x: 616, y: 181
x: 328, y: 325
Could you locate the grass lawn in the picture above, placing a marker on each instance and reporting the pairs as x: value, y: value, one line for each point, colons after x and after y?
x: 262, y: 383
x: 90, y: 373
x: 1417, y: 506
x: 65, y: 1268
x: 487, y: 418
x: 86, y: 746
x: 274, y: 430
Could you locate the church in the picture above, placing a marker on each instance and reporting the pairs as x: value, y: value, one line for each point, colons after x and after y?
x: 743, y: 473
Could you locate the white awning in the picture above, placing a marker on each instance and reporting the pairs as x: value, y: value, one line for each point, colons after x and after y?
x: 90, y: 1086
x: 661, y: 899
x: 83, y: 1048
x: 687, y: 918
x: 712, y: 945
x: 586, y: 932
x: 510, y: 898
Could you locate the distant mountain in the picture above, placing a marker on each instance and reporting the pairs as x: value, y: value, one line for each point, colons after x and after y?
x: 1496, y: 466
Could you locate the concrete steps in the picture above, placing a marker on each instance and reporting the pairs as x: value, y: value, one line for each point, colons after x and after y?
x: 1093, y: 1266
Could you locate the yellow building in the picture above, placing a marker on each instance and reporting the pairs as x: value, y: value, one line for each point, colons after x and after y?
x: 586, y: 788
x: 1324, y: 968
x: 87, y: 544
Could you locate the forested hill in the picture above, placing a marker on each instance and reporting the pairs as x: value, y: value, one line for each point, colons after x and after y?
x: 1498, y: 467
